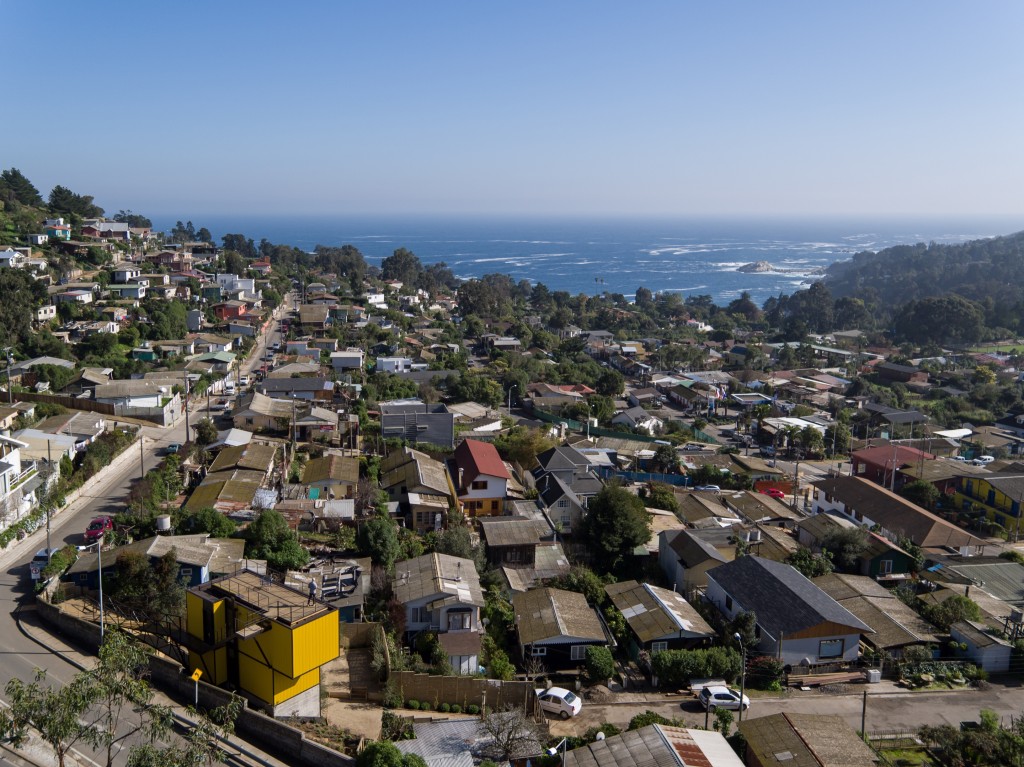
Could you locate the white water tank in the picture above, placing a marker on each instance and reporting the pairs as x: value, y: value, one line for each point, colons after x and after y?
x: 163, y: 523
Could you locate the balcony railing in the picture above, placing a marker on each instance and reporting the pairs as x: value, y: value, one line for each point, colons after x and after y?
x: 24, y: 477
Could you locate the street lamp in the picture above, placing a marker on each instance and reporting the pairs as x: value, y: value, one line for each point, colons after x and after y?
x: 510, y: 388
x: 99, y: 554
x: 553, y: 751
x: 743, y: 670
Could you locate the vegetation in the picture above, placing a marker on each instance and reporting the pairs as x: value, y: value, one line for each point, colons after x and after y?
x: 615, y: 524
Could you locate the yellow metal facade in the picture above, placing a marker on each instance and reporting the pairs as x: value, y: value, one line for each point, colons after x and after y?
x: 275, y: 664
x: 976, y: 493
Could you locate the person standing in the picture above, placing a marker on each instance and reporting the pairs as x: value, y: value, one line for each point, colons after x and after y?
x: 312, y: 591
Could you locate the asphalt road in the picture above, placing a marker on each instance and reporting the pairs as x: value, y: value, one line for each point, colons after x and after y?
x: 20, y: 655
x: 885, y: 711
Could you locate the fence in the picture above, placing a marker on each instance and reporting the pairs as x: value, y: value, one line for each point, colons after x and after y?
x: 65, y: 400
x: 357, y: 634
x: 464, y: 690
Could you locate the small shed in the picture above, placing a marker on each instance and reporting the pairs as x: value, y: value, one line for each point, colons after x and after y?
x: 983, y: 649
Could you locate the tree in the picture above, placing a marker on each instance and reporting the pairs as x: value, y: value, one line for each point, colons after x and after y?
x: 63, y: 200
x: 207, y: 520
x: 132, y: 219
x: 616, y: 523
x: 947, y: 612
x: 522, y: 445
x: 515, y: 734
x: 666, y: 459
x: 809, y: 564
x: 923, y: 493
x: 584, y: 581
x: 270, y: 538
x: 403, y: 266
x: 201, y: 745
x: 206, y: 432
x: 378, y: 538
x: 383, y: 753
x: 119, y: 687
x: 600, y: 664
x: 846, y: 545
x: 15, y: 187
x: 55, y: 714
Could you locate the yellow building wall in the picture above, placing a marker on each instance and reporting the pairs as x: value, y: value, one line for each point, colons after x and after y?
x: 315, y: 643
x: 1002, y: 504
x: 271, y: 686
x: 214, y: 665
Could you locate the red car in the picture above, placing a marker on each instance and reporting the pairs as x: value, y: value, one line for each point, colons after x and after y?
x: 99, y: 527
x: 774, y: 492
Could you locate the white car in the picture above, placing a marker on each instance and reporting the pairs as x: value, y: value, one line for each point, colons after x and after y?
x: 708, y: 488
x: 983, y: 460
x: 722, y: 697
x: 558, y: 700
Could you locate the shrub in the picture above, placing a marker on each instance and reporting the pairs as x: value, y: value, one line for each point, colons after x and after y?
x: 473, y: 709
x: 456, y: 708
x: 676, y: 668
x: 444, y: 708
x: 425, y: 706
x: 764, y: 673
x: 413, y: 704
x: 600, y: 664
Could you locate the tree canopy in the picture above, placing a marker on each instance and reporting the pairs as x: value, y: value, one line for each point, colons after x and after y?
x: 616, y: 523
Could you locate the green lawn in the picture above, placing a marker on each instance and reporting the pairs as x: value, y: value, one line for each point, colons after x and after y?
x: 908, y: 757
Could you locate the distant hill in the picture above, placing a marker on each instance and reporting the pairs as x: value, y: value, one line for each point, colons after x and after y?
x: 980, y: 270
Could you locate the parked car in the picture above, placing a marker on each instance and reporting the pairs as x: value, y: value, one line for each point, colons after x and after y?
x: 39, y: 562
x: 558, y: 700
x: 99, y: 527
x: 709, y: 488
x: 172, y: 449
x: 722, y: 697
x: 959, y: 458
x: 767, y: 451
x: 774, y: 492
x: 983, y: 460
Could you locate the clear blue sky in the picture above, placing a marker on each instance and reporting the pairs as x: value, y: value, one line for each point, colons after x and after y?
x: 590, y: 107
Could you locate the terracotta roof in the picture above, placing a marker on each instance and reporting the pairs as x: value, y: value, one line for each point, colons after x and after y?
x: 477, y: 458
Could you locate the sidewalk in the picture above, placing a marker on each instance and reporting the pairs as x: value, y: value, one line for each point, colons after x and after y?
x: 37, y: 753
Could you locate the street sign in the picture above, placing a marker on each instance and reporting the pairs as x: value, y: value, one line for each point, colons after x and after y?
x: 196, y: 674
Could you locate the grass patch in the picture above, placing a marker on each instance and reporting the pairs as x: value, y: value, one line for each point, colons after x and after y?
x: 908, y: 757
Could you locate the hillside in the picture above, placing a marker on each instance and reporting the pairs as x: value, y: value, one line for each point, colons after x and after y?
x: 979, y: 270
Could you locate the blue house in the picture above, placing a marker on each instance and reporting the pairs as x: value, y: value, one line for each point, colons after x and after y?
x: 200, y: 558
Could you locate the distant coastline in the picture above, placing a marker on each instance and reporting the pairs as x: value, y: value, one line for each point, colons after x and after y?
x: 722, y: 258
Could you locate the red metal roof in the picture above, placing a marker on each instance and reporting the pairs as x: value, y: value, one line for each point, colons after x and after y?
x: 475, y: 457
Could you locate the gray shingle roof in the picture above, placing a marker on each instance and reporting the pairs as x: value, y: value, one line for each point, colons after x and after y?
x: 784, y: 601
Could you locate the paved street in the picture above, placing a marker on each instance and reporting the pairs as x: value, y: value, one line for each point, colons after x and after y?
x: 21, y: 654
x: 885, y: 710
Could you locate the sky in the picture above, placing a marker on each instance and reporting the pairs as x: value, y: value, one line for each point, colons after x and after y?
x: 592, y: 108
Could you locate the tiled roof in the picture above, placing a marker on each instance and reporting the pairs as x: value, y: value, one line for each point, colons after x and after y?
x: 656, y: 745
x: 807, y: 740
x: 340, y: 468
x: 432, y: 574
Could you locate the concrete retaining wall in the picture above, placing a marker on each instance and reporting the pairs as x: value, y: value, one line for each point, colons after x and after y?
x: 357, y: 634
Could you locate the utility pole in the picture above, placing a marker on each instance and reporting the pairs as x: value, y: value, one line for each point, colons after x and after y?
x: 188, y: 431
x: 10, y: 392
x: 142, y: 455
x: 49, y: 460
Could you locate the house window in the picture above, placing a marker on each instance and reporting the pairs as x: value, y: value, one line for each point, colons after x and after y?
x: 538, y: 651
x: 513, y: 555
x: 458, y: 621
x: 885, y: 567
x: 248, y: 422
x: 830, y: 648
x: 578, y: 652
x: 659, y: 647
x: 186, y: 572
x: 757, y: 631
x: 728, y: 603
x: 563, y: 503
x: 479, y: 484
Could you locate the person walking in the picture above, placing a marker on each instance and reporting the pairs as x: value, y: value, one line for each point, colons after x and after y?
x: 312, y: 591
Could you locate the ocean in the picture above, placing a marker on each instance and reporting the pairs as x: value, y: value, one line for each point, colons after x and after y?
x: 687, y: 256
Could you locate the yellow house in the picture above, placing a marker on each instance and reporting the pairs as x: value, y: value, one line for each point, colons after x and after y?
x: 1000, y: 496
x: 263, y: 638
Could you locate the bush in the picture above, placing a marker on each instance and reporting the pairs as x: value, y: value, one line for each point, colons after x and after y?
x: 456, y: 708
x: 425, y: 706
x: 413, y: 704
x: 472, y: 709
x: 600, y: 664
x: 675, y: 668
x: 764, y: 673
x: 444, y: 708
